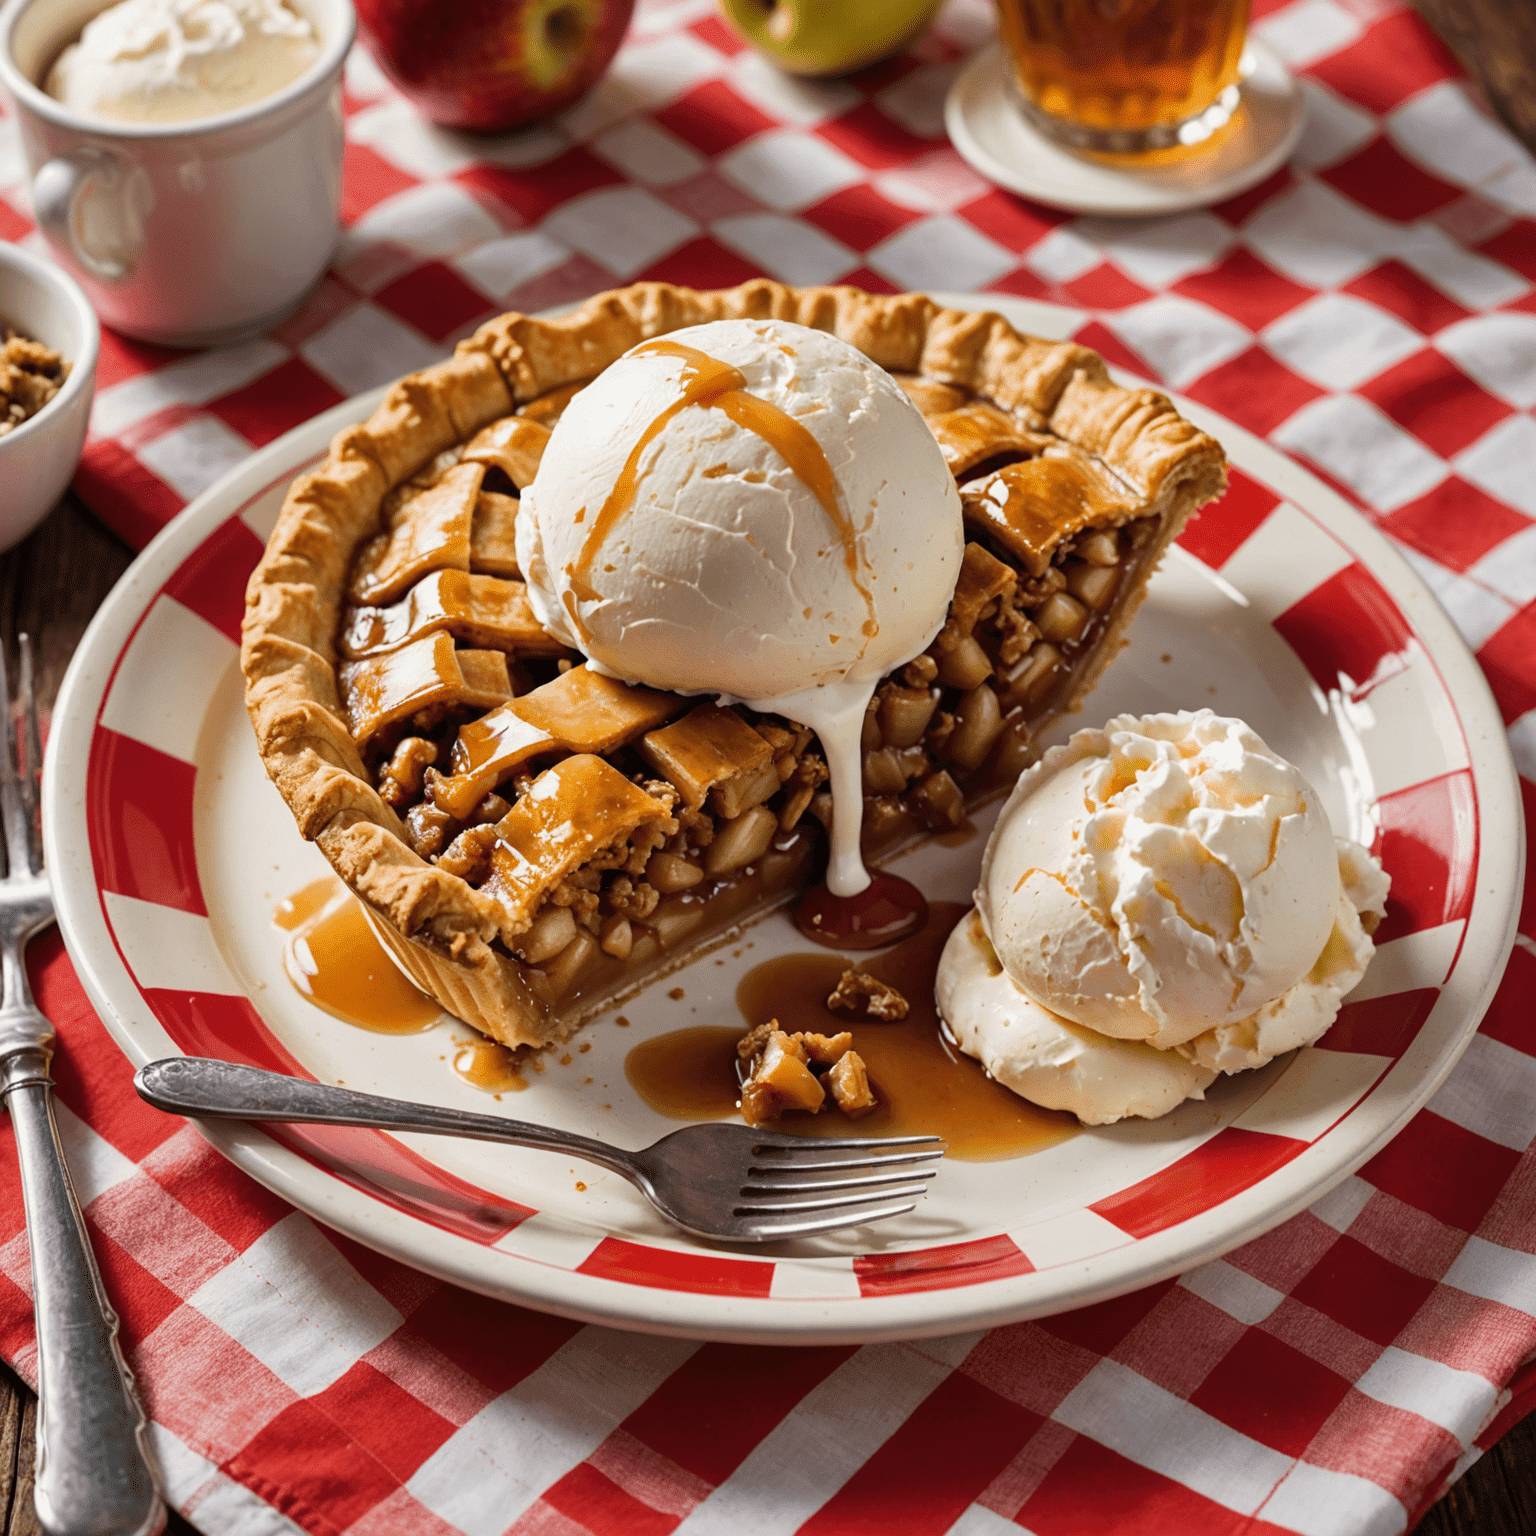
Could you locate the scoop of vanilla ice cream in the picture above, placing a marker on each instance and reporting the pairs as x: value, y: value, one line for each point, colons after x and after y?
x: 1160, y: 877
x: 1045, y: 1058
x: 1161, y: 901
x: 159, y: 61
x: 1305, y: 1010
x: 727, y: 573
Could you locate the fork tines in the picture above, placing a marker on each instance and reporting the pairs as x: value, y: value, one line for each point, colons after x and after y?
x: 782, y: 1228
x: 814, y: 1164
x: 777, y: 1177
x: 20, y: 769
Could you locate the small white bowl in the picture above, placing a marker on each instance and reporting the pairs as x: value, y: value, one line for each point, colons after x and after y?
x: 38, y: 458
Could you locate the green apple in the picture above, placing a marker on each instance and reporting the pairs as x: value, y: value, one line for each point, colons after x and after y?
x: 828, y: 37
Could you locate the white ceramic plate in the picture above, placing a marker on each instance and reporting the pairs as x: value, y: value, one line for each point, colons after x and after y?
x: 989, y: 130
x: 169, y: 849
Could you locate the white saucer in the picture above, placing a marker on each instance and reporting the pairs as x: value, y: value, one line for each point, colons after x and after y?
x: 991, y: 133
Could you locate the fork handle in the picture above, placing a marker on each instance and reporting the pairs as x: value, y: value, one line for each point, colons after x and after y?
x: 205, y: 1089
x: 93, y: 1474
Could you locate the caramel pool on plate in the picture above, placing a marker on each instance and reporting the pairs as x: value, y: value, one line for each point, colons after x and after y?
x: 925, y: 1087
x: 334, y: 959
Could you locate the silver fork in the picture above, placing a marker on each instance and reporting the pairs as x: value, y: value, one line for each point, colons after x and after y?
x: 93, y: 1471
x: 732, y: 1183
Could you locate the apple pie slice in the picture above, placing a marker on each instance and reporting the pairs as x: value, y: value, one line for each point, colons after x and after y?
x: 535, y: 840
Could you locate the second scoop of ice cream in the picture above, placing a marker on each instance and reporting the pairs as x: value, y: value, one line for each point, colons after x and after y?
x: 1161, y: 877
x: 1162, y: 901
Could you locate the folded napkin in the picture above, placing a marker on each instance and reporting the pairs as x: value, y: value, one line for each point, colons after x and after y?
x: 1370, y: 309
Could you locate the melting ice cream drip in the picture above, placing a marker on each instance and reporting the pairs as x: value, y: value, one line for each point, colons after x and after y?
x: 836, y: 714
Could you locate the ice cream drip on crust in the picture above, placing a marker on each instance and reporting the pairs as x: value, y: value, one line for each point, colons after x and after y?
x: 753, y: 510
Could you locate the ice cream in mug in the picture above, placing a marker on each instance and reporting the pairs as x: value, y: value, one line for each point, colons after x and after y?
x: 170, y: 61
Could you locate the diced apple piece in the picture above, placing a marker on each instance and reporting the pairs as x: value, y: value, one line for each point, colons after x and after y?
x: 1061, y: 618
x: 549, y: 933
x: 737, y: 843
x: 1010, y: 752
x: 1092, y: 584
x: 564, y: 971
x: 938, y: 801
x: 675, y: 918
x: 882, y: 773
x: 1099, y: 548
x: 780, y: 1081
x: 905, y: 713
x: 978, y: 720
x: 964, y: 665
x: 824, y: 1050
x: 731, y: 798
x: 849, y: 1082
x: 617, y: 937
x: 669, y: 873
x: 1029, y: 678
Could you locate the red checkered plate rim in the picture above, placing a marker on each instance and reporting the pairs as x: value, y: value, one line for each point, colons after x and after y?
x: 1283, y: 605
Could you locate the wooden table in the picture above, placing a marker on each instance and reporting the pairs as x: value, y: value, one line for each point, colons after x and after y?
x: 49, y: 587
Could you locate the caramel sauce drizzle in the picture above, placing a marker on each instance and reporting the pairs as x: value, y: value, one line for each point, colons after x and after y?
x: 490, y: 1067
x: 334, y: 960
x: 707, y: 381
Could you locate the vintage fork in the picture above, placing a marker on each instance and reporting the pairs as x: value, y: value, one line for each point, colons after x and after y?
x: 93, y: 1471
x: 732, y: 1183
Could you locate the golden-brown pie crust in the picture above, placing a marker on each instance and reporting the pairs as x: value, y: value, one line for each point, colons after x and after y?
x: 438, y: 925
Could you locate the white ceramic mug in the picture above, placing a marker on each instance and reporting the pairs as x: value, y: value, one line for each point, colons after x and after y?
x: 191, y: 233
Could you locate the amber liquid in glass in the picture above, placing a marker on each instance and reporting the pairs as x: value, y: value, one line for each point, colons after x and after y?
x: 1126, y: 76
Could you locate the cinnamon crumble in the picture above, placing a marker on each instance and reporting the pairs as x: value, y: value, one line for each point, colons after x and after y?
x: 30, y: 376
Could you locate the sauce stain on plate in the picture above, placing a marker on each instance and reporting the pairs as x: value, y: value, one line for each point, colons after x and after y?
x: 335, y: 960
x: 925, y: 1086
x: 490, y: 1067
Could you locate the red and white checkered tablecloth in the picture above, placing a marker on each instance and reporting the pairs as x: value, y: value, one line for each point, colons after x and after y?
x: 1372, y: 309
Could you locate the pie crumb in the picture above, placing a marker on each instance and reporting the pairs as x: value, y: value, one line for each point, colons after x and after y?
x: 795, y: 1071
x: 862, y: 996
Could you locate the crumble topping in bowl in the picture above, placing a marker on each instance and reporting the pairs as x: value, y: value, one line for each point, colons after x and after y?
x: 30, y: 376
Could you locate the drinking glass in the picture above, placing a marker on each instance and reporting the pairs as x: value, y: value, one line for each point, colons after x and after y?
x: 1126, y: 77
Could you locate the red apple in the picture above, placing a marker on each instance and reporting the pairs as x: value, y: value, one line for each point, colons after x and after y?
x: 488, y: 65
